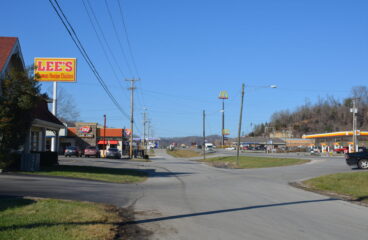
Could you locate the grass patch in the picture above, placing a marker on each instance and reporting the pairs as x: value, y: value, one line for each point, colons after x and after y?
x: 114, y: 175
x: 252, y: 162
x: 181, y: 153
x: 353, y: 185
x: 50, y: 219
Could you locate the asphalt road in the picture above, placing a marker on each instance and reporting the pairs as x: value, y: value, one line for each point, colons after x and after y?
x: 184, y: 199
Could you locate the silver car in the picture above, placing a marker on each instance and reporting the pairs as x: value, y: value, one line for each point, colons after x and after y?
x: 113, y: 153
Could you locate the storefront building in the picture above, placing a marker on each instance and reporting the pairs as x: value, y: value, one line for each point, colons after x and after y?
x: 91, y: 134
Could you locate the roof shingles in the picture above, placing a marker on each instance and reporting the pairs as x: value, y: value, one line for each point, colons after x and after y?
x: 6, y: 46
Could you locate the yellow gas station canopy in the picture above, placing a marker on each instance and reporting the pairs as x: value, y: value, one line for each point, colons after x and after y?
x: 335, y: 134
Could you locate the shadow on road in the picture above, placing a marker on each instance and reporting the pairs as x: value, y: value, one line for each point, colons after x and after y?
x: 227, y: 210
x: 93, y: 169
x: 117, y: 171
x: 153, y: 173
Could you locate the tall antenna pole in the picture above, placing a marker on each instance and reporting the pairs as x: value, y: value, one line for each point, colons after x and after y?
x: 240, y: 123
x: 132, y: 88
x: 204, y: 135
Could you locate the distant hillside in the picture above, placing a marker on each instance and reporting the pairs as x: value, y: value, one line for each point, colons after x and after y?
x: 164, y: 142
x: 326, y: 115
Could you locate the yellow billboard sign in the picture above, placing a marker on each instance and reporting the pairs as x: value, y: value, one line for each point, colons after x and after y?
x: 56, y: 69
x: 225, y: 132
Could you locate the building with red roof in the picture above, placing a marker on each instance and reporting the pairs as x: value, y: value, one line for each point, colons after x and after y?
x: 91, y: 134
x: 11, y: 58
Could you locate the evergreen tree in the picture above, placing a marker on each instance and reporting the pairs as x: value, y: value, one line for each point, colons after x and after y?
x: 20, y: 93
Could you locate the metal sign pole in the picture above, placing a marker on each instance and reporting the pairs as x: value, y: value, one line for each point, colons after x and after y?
x: 54, y: 111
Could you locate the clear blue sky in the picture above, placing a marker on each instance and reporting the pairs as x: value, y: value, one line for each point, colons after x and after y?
x: 187, y: 51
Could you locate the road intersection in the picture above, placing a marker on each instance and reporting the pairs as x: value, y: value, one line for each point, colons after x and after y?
x: 185, y: 199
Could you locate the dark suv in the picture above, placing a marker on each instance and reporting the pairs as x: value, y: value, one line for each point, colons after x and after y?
x: 92, y: 151
x: 73, y: 151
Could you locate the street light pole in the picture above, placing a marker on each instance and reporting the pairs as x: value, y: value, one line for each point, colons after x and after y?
x: 240, y: 120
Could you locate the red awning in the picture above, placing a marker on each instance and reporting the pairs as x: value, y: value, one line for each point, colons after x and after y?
x: 102, y: 142
x: 113, y: 142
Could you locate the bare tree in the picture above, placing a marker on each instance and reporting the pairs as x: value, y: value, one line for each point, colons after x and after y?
x: 67, y: 110
x: 328, y: 114
x: 360, y: 92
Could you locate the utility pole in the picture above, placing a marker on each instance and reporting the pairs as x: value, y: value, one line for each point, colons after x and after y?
x: 132, y: 88
x: 354, y: 110
x: 204, y: 135
x: 144, y: 129
x: 148, y: 128
x: 104, y: 137
x: 240, y: 123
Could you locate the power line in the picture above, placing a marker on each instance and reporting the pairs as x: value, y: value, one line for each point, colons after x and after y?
x: 84, y: 53
x: 130, y: 50
x: 101, y: 44
x: 128, y: 40
x: 186, y: 98
x: 103, y: 35
x: 118, y: 39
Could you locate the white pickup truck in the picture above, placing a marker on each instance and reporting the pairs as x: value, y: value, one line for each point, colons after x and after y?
x: 209, y: 147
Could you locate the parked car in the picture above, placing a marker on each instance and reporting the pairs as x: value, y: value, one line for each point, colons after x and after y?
x: 92, y: 151
x: 73, y: 151
x: 315, y: 150
x: 113, y: 153
x: 230, y: 148
x: 341, y: 150
x: 359, y: 159
x: 262, y: 148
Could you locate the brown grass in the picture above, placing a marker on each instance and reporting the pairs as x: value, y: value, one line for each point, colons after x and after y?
x: 183, y: 153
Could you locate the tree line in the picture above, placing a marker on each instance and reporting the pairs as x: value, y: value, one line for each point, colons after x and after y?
x: 326, y: 115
